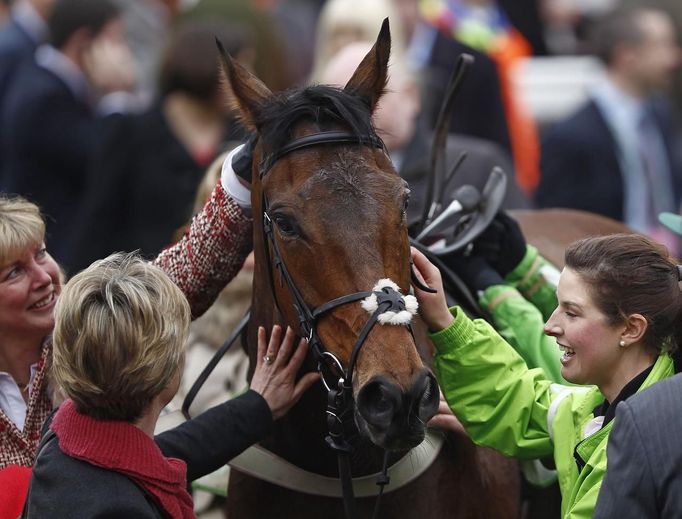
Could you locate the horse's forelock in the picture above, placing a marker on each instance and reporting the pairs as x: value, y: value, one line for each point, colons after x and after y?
x: 325, y: 106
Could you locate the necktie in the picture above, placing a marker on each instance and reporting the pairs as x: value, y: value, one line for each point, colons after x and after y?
x: 658, y: 196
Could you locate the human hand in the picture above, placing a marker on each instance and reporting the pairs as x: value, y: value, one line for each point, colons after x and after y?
x: 275, y: 380
x: 432, y: 307
x: 445, y: 419
x: 502, y: 244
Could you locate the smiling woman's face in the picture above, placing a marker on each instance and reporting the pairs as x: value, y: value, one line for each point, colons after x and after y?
x: 29, y: 287
x: 590, y: 343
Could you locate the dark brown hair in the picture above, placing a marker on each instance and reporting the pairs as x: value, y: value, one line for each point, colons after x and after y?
x: 190, y: 60
x: 69, y: 16
x: 630, y: 274
x: 619, y: 27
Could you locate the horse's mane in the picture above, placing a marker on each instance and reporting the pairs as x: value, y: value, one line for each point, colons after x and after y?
x: 327, y: 107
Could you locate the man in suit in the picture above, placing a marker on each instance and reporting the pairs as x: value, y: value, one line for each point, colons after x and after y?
x: 643, y: 479
x: 21, y: 36
x: 25, y: 30
x: 48, y: 120
x: 614, y: 156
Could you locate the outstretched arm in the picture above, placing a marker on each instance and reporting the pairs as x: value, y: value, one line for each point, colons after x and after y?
x: 210, y: 253
x: 216, y: 436
x: 219, y: 238
x: 501, y: 403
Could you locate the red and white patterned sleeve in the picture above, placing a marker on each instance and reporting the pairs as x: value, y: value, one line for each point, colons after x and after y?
x: 211, y: 252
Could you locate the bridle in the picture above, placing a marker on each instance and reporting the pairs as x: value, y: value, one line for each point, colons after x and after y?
x: 340, y: 402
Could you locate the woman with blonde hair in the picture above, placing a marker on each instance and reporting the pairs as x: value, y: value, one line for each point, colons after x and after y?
x: 119, y: 337
x: 210, y: 254
x: 30, y: 282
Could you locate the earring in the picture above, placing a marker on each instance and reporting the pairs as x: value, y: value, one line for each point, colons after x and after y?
x: 622, y: 343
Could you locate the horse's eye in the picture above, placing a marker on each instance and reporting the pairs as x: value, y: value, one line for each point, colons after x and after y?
x: 285, y: 225
x: 406, y: 201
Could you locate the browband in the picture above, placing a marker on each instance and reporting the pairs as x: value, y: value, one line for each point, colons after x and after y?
x: 314, y: 140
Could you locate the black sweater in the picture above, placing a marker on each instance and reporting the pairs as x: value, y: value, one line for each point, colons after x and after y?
x: 65, y: 487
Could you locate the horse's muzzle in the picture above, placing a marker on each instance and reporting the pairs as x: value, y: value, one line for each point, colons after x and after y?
x: 395, y: 419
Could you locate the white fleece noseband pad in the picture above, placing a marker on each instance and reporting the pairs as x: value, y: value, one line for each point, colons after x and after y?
x: 402, y: 309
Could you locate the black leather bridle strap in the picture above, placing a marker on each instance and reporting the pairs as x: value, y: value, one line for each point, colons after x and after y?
x: 217, y: 356
x: 346, y: 476
x: 315, y: 140
x: 308, y: 318
x: 361, y: 340
x: 305, y: 316
x: 322, y: 309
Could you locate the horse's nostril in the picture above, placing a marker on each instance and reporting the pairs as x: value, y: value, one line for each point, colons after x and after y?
x: 424, y: 396
x: 430, y: 397
x: 378, y: 403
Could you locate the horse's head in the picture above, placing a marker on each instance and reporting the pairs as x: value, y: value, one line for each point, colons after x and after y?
x: 334, y: 209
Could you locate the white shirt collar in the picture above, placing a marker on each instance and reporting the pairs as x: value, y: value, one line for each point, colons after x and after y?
x: 622, y: 107
x: 12, y: 402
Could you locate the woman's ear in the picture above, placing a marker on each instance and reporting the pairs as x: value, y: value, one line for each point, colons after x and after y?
x: 636, y: 326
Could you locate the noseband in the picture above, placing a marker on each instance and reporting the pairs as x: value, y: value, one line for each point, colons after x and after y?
x: 387, y: 299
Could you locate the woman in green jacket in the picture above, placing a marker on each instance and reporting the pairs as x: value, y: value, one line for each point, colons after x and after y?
x: 618, y: 305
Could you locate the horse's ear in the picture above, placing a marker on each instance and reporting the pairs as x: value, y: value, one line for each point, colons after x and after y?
x: 246, y: 93
x: 369, y: 79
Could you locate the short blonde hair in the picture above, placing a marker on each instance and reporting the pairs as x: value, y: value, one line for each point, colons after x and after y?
x: 119, y: 335
x: 21, y: 226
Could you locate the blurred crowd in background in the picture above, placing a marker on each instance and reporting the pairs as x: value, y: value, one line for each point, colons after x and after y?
x: 110, y: 122
x: 112, y: 117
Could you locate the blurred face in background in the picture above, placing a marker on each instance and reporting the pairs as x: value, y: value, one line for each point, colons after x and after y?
x: 396, y: 113
x: 656, y: 59
x: 107, y: 60
x: 408, y: 12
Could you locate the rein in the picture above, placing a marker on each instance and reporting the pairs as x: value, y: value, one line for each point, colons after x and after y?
x: 340, y: 403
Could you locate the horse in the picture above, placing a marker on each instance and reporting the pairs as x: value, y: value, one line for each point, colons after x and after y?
x: 330, y: 233
x: 329, y: 221
x: 551, y: 230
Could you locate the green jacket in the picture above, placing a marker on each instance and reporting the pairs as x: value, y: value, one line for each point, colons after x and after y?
x: 521, y: 413
x: 520, y: 309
